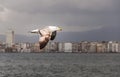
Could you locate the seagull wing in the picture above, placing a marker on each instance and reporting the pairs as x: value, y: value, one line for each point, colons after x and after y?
x: 53, y: 35
x: 43, y: 41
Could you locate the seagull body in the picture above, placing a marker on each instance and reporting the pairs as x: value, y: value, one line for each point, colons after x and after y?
x: 47, y: 33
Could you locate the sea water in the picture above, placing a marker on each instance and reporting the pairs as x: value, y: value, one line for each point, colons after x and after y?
x: 59, y: 65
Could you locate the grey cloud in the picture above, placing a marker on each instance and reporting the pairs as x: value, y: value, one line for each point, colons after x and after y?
x: 55, y: 6
x: 1, y: 9
x: 67, y: 13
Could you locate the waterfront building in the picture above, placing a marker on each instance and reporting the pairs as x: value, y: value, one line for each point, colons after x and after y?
x: 10, y: 38
x: 79, y: 47
x: 75, y: 47
x: 2, y: 47
x: 60, y: 47
x: 119, y: 46
x: 85, y: 46
x: 113, y: 46
x: 109, y: 46
x: 36, y: 48
x: 55, y: 46
x: 18, y: 47
x: 52, y: 47
x: 99, y: 47
x: 93, y: 47
x: 68, y: 47
x: 104, y: 46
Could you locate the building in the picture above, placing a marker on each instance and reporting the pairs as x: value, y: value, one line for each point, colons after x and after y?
x: 68, y: 47
x: 2, y: 47
x: 93, y: 47
x: 60, y: 47
x: 25, y: 47
x: 79, y: 47
x: 104, y: 46
x: 118, y: 46
x: 113, y: 46
x: 75, y: 47
x: 52, y: 47
x: 99, y: 47
x: 35, y: 47
x: 85, y: 45
x: 10, y: 38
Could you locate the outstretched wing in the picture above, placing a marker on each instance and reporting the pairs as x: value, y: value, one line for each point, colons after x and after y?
x: 43, y: 41
x: 53, y: 35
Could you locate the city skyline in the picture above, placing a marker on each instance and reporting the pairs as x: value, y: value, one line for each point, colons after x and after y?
x: 80, y: 19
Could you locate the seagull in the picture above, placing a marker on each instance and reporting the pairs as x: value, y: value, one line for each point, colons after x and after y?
x: 46, y: 34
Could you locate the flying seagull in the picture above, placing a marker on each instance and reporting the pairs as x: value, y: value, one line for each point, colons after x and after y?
x: 47, y: 33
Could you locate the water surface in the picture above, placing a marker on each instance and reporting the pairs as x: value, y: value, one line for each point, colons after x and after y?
x: 59, y: 65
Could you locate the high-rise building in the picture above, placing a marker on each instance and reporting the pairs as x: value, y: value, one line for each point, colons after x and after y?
x: 10, y: 38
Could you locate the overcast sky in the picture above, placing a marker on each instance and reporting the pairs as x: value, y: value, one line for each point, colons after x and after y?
x: 71, y: 15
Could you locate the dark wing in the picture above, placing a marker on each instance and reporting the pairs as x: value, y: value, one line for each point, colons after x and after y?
x: 43, y: 41
x: 53, y: 35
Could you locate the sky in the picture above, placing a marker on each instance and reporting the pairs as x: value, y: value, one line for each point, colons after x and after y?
x: 92, y: 18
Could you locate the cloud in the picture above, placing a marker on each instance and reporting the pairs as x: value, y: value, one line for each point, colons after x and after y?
x: 1, y: 9
x: 4, y: 12
x: 42, y: 6
x: 72, y: 15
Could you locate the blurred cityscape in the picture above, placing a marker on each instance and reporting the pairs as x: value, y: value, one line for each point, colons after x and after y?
x: 81, y: 47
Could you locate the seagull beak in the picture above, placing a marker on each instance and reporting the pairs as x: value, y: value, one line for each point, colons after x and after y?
x: 34, y: 31
x: 60, y: 29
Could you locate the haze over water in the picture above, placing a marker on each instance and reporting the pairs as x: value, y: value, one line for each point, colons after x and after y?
x: 59, y: 65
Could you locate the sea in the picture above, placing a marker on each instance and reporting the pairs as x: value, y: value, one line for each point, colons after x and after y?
x: 59, y: 65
